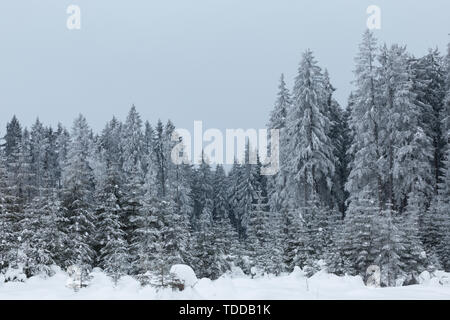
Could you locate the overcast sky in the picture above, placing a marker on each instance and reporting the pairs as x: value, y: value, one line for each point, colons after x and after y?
x: 213, y: 60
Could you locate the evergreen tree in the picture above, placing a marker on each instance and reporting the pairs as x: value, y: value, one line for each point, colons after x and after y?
x: 78, y: 202
x: 366, y: 123
x: 277, y: 185
x: 43, y: 235
x: 114, y: 252
x: 258, y: 239
x: 389, y: 247
x: 312, y: 161
x: 357, y: 242
x: 405, y: 143
x: 226, y: 235
x: 131, y: 151
x: 206, y: 256
x: 6, y: 231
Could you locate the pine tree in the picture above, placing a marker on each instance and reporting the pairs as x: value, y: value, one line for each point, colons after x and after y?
x: 16, y: 191
x: 335, y: 255
x: 357, y: 242
x: 146, y: 246
x: 277, y: 185
x: 206, y: 256
x: 39, y: 167
x: 6, y: 231
x: 62, y: 142
x: 159, y: 159
x: 257, y: 234
x: 226, y: 235
x: 414, y: 256
x: 428, y: 85
x: 248, y: 186
x: 114, y: 252
x: 43, y: 235
x: 337, y: 135
x: 312, y: 161
x: 405, y: 143
x: 433, y: 231
x: 294, y: 240
x: 366, y: 123
x: 389, y: 247
x: 78, y: 202
x: 444, y: 189
x: 131, y: 151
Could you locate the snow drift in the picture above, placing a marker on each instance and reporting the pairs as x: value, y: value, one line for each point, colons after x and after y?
x: 296, y: 285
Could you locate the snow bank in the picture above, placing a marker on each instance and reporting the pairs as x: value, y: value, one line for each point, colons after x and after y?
x: 185, y: 274
x: 288, y: 286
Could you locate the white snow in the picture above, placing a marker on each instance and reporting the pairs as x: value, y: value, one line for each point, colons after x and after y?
x: 293, y: 286
x: 185, y: 274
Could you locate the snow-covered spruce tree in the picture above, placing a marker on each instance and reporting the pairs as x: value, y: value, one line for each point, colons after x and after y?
x: 160, y: 158
x: 38, y: 147
x: 43, y: 235
x: 176, y: 230
x: 335, y: 254
x: 161, y: 236
x: 52, y: 168
x: 25, y: 173
x: 445, y: 122
x: 257, y: 240
x: 389, y: 247
x: 433, y: 232
x: 17, y: 189
x: 146, y: 246
x: 178, y: 186
x: 147, y: 144
x: 178, y: 223
x: 41, y: 221
x: 317, y: 231
x: 345, y: 156
x: 337, y: 135
x: 131, y: 161
x: 428, y: 76
x: 278, y: 188
x: 274, y: 238
x: 78, y: 201
x: 226, y: 235
x: 442, y: 210
x: 444, y: 190
x: 277, y: 184
x: 62, y: 141
x: 357, y: 247
x: 413, y: 257
x: 366, y: 123
x: 409, y: 147
x: 248, y: 184
x: 206, y: 257
x: 405, y: 142
x: 232, y: 196
x: 312, y: 160
x: 294, y: 239
x: 113, y: 247
x: 6, y: 231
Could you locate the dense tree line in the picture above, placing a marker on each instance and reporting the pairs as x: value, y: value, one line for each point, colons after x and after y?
x: 368, y: 184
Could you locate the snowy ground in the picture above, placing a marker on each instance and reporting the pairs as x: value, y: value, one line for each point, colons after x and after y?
x: 293, y: 286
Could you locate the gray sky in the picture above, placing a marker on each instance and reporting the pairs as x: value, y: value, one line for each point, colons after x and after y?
x: 213, y: 60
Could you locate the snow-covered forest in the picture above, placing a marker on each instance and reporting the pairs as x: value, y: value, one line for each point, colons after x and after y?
x: 363, y: 184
